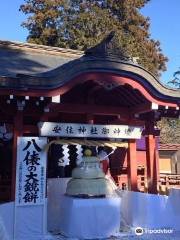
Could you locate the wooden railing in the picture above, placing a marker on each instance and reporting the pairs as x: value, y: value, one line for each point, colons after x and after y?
x: 168, y: 181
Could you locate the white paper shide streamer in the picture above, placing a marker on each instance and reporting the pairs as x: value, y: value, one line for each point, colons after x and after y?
x: 79, y: 154
x: 64, y: 161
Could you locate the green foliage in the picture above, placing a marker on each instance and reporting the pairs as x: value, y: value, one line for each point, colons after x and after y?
x: 170, y: 130
x: 176, y: 80
x: 80, y: 24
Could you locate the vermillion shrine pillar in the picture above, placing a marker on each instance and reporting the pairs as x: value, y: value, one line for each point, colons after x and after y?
x: 132, y: 165
x: 152, y: 161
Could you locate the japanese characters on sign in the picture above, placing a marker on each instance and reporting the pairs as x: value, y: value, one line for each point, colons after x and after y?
x: 89, y: 130
x: 31, y: 171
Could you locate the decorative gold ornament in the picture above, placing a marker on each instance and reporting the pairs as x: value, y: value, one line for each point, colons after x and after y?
x: 87, y: 153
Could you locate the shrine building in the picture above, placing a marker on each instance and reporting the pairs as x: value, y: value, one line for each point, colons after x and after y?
x: 100, y: 87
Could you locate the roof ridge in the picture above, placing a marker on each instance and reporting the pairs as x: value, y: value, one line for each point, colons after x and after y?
x: 16, y: 44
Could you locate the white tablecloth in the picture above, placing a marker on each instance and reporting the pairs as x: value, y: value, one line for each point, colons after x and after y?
x: 89, y: 218
x: 55, y: 190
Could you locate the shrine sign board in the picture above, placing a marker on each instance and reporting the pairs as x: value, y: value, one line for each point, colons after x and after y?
x: 50, y: 129
x: 31, y: 171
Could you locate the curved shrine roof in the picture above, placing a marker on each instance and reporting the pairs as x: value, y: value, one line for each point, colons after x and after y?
x: 25, y: 58
x: 29, y: 67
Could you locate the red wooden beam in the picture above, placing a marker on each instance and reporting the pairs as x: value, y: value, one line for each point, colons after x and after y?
x: 141, y: 108
x: 132, y: 165
x: 56, y: 108
x: 89, y: 109
x: 30, y: 129
x: 84, y: 109
x: 131, y: 121
x: 90, y: 118
x: 152, y: 164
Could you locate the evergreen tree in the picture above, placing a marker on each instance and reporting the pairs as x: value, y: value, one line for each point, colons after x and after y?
x: 170, y: 130
x: 176, y: 80
x: 45, y: 19
x: 80, y: 24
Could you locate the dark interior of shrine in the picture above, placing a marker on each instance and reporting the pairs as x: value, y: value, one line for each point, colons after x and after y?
x: 5, y: 170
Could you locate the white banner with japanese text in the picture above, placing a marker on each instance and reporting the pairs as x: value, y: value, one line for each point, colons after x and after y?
x: 31, y: 171
x: 89, y: 130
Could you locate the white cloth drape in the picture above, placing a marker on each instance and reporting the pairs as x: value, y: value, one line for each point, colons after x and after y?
x: 89, y: 218
x: 3, y: 233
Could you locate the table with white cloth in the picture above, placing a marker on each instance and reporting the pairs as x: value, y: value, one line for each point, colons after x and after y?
x: 89, y: 218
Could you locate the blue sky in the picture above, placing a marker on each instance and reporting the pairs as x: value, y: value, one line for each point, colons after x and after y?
x: 165, y: 27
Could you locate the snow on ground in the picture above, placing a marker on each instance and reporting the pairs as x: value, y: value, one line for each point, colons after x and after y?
x: 126, y: 236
